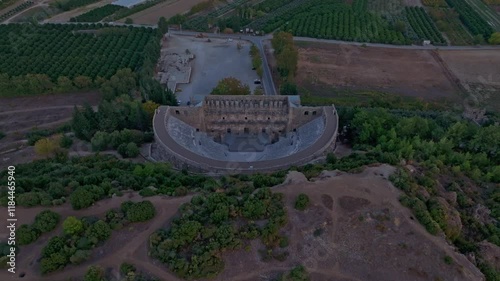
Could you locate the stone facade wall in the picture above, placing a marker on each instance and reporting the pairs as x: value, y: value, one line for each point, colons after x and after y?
x: 301, y: 115
x: 192, y: 115
x: 245, y: 114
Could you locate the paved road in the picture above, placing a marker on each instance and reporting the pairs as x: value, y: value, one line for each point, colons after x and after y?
x: 267, y: 80
x: 307, y: 154
x: 413, y: 47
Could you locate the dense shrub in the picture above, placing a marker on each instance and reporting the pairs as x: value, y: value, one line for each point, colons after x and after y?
x: 302, y: 202
x: 46, y: 221
x: 193, y: 245
x: 141, y: 211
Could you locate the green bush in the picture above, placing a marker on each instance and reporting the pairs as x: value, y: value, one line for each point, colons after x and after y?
x: 448, y: 260
x: 26, y: 234
x: 72, y: 226
x: 66, y: 141
x: 283, y: 242
x: 141, y: 211
x: 302, y: 202
x: 94, y: 273
x: 46, y: 221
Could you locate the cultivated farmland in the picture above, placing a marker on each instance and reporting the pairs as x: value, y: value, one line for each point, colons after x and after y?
x: 413, y: 73
x: 16, y: 10
x: 479, y: 71
x: 422, y: 24
x: 486, y: 12
x: 55, y: 52
x: 435, y: 3
x: 167, y: 9
x: 345, y: 23
x: 97, y: 14
x: 471, y: 19
x: 448, y: 22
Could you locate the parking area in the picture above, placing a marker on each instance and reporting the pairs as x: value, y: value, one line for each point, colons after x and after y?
x: 213, y: 60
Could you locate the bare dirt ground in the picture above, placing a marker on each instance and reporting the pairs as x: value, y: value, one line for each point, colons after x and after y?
x: 479, y: 72
x: 355, y: 229
x: 19, y: 115
x: 411, y: 3
x: 65, y: 16
x: 413, y: 73
x: 165, y: 9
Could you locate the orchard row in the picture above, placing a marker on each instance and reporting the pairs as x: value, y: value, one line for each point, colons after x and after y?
x: 71, y: 50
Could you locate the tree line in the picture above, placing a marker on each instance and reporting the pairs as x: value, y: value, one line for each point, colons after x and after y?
x: 287, y: 57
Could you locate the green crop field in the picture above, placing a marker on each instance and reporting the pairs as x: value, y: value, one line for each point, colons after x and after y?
x: 97, y: 14
x: 71, y: 50
x: 488, y: 14
x: 475, y: 22
x: 338, y: 21
x: 423, y: 25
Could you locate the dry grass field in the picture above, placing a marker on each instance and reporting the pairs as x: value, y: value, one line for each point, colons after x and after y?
x: 165, y: 9
x: 414, y: 73
x: 479, y: 73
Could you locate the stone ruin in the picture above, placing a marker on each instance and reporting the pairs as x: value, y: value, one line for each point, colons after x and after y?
x: 243, y: 134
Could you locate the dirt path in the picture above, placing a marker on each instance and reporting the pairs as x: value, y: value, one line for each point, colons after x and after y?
x: 134, y: 251
x: 42, y: 4
x: 36, y: 109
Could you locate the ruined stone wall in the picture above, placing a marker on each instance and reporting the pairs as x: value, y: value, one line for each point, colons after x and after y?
x: 302, y: 115
x: 191, y: 115
x: 246, y: 114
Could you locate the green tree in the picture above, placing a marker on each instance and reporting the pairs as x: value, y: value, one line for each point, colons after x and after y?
x: 84, y: 122
x: 162, y: 25
x: 72, y: 226
x: 46, y: 147
x: 94, y: 273
x: 288, y: 88
x: 231, y: 86
x: 100, y: 141
x: 26, y: 234
x: 129, y: 21
x: 64, y: 85
x: 302, y: 202
x: 46, y: 221
x: 400, y: 26
x: 53, y: 263
x: 287, y: 61
x: 122, y: 83
x: 298, y: 273
x: 100, y: 230
x: 132, y: 150
x: 82, y: 82
x: 81, y: 198
x: 280, y: 41
x: 80, y: 256
x: 494, y: 39
x: 141, y: 211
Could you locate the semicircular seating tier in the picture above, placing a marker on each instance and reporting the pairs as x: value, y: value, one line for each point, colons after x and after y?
x: 243, y: 134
